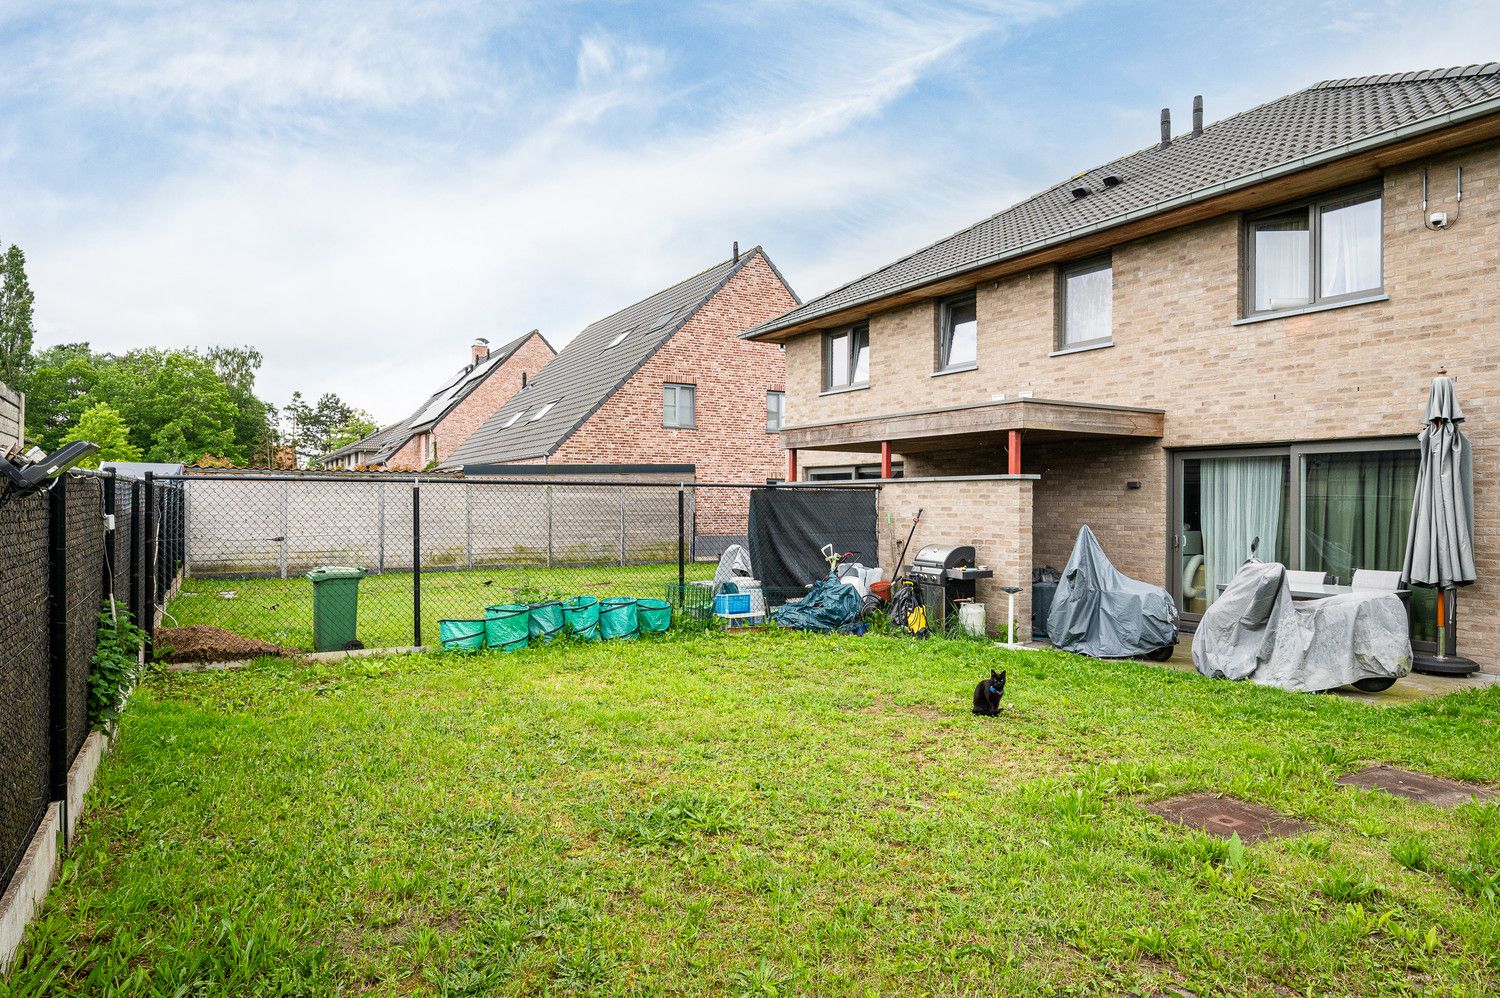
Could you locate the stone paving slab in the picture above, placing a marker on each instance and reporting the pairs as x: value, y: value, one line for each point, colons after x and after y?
x: 1433, y: 790
x: 1227, y: 816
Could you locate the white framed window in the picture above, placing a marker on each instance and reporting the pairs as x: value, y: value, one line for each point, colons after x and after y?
x: 1086, y: 303
x: 679, y: 406
x: 775, y: 411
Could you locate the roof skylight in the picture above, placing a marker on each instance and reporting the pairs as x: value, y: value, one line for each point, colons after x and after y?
x: 543, y: 411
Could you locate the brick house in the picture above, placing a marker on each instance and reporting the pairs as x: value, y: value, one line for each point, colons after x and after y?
x: 432, y: 433
x: 1228, y: 334
x: 667, y: 381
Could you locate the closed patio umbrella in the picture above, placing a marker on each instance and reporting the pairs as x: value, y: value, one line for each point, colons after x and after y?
x: 1440, y: 540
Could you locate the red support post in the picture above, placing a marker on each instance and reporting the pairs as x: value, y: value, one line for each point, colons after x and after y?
x: 885, y: 459
x: 791, y: 464
x: 1013, y: 451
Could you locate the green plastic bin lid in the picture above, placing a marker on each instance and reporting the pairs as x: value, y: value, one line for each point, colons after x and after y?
x: 325, y: 572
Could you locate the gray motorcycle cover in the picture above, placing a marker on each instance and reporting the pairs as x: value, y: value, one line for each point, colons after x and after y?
x: 1256, y: 631
x: 1100, y: 612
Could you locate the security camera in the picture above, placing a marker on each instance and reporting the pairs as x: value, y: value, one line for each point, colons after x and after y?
x: 1438, y: 219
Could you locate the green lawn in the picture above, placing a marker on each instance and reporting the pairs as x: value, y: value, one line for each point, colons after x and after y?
x: 280, y: 610
x: 758, y: 815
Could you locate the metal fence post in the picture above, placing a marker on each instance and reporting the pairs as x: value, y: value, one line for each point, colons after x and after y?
x: 681, y: 543
x: 380, y: 527
x: 136, y: 542
x: 285, y: 487
x: 111, y: 535
x: 148, y: 567
x: 57, y: 638
x: 416, y: 563
x: 622, y: 528
x: 549, y: 526
x: 468, y: 528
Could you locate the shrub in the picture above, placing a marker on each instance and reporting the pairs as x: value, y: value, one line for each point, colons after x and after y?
x: 116, y: 665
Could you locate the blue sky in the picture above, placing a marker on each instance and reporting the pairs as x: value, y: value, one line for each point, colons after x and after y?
x: 359, y: 189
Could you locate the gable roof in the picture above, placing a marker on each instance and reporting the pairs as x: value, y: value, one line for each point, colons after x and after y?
x: 385, y: 442
x: 589, y: 370
x: 1326, y: 121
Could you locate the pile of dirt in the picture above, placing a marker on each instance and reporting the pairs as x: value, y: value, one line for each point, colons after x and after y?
x: 210, y: 644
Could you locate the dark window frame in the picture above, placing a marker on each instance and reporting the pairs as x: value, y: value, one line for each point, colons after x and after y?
x: 944, y: 331
x: 1088, y: 265
x: 1312, y: 208
x: 677, y: 387
x: 780, y: 412
x: 852, y: 349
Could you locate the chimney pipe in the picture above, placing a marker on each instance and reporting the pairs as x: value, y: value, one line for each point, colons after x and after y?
x: 523, y: 379
x: 480, y: 351
x: 1166, y: 128
x: 736, y: 251
x: 1198, y: 115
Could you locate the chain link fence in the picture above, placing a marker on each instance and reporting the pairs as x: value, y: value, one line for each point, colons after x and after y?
x: 432, y: 548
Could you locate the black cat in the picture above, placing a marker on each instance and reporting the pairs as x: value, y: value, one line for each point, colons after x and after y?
x: 988, y: 693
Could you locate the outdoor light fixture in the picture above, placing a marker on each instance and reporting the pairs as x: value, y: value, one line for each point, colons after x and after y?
x: 26, y: 477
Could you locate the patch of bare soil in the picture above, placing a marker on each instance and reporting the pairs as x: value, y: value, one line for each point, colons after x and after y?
x: 201, y: 643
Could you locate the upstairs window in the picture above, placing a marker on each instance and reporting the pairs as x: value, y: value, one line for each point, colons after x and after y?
x: 679, y: 406
x: 1318, y: 252
x: 775, y: 411
x: 958, y: 333
x: 846, y: 358
x: 1086, y: 309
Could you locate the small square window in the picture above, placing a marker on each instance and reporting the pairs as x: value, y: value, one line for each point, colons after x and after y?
x: 958, y: 333
x: 1085, y: 312
x: 679, y: 406
x: 775, y: 411
x: 846, y: 357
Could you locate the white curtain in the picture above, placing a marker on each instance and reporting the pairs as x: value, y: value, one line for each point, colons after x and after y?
x: 1089, y: 306
x: 1350, y: 253
x: 1281, y: 263
x: 1241, y: 500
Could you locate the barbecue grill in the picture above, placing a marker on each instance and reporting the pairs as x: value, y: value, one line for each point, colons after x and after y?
x: 944, y: 576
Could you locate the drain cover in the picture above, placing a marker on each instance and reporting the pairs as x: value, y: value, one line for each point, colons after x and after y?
x: 1226, y: 816
x: 1416, y: 786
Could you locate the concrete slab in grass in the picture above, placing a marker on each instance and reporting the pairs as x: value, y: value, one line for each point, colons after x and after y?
x: 1434, y: 790
x: 1227, y: 816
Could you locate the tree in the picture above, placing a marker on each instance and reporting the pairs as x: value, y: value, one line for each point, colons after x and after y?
x: 176, y: 404
x: 16, y: 330
x: 101, y: 425
x: 60, y: 388
x: 314, y: 430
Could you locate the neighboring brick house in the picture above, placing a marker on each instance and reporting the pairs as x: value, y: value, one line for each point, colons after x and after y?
x: 432, y: 433
x: 1229, y: 334
x: 666, y: 381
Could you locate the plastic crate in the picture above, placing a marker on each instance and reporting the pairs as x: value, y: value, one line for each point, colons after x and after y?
x: 727, y: 603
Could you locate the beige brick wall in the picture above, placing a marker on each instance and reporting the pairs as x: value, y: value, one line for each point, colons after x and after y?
x: 992, y: 514
x: 1361, y: 371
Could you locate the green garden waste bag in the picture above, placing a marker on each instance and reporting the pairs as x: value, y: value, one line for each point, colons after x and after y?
x: 507, y: 626
x: 617, y: 618
x: 546, y: 620
x: 582, y: 616
x: 655, y: 615
x: 461, y: 635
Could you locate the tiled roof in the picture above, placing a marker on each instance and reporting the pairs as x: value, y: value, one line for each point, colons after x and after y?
x: 1279, y: 135
x: 589, y: 370
x: 385, y: 442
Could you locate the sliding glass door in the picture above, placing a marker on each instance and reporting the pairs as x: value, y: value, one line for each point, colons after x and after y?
x: 1331, y: 507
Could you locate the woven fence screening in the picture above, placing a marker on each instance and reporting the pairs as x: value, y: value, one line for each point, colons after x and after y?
x: 84, y: 597
x: 124, y: 546
x: 25, y: 676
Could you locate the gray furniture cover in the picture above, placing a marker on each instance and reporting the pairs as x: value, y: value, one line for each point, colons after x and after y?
x: 1256, y: 631
x: 1100, y: 612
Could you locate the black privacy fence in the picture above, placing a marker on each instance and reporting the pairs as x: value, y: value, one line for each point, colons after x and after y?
x: 70, y: 547
x: 312, y: 562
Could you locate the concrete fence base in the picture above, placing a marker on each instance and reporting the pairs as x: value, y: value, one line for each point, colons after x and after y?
x: 39, y: 867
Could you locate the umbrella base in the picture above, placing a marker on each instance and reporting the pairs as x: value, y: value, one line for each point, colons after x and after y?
x: 1451, y: 665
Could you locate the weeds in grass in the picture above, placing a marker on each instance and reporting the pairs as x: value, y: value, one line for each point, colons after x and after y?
x: 1341, y: 884
x: 677, y: 821
x: 1413, y: 853
x: 761, y: 981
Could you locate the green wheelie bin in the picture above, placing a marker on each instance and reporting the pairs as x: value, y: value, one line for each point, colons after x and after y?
x: 335, y: 606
